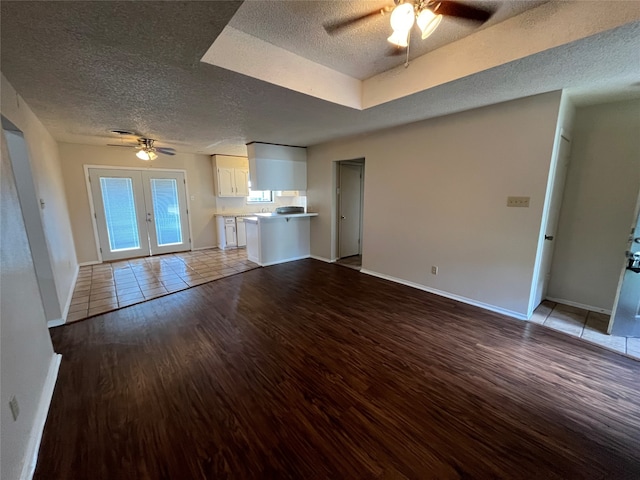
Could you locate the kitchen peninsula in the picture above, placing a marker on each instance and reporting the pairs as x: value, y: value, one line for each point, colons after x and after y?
x: 277, y: 238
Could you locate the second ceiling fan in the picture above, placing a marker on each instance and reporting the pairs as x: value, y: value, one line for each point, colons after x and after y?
x: 145, y: 146
x: 426, y: 14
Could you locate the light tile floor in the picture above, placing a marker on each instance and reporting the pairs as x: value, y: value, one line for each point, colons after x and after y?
x: 355, y: 262
x: 590, y: 326
x: 109, y: 286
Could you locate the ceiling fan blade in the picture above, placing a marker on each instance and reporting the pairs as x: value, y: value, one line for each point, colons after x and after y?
x: 333, y: 28
x: 166, y: 150
x: 121, y: 145
x: 464, y: 11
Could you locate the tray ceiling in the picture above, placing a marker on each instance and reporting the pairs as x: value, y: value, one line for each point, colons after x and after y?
x: 88, y: 67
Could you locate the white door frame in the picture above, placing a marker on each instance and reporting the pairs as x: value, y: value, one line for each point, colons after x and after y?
x: 336, y: 201
x: 553, y: 167
x: 624, y: 268
x: 31, y: 207
x: 113, y: 167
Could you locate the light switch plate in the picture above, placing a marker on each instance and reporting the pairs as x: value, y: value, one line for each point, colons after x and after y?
x: 518, y: 202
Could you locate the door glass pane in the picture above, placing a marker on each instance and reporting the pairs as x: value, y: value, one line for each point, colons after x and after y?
x: 166, y: 210
x: 120, y: 213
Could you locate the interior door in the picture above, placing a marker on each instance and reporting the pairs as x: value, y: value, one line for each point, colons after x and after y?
x: 350, y: 199
x: 625, y: 319
x: 166, y: 211
x: 120, y: 213
x: 560, y: 177
x: 139, y: 213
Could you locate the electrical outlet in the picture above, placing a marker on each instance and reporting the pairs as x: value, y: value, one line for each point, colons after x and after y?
x: 434, y: 270
x: 15, y: 408
x: 518, y: 202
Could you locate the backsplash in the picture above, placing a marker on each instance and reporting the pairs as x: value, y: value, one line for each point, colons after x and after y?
x: 240, y: 205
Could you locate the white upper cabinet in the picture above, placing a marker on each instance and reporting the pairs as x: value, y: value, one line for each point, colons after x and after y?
x: 276, y: 167
x: 226, y: 182
x: 232, y: 176
x: 242, y: 182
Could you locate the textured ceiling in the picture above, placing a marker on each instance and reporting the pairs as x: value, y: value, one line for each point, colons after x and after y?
x: 361, y: 50
x: 88, y: 67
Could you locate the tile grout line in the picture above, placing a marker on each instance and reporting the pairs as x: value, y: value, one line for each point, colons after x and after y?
x: 590, y: 314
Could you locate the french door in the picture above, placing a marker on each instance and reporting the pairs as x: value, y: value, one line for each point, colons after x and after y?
x: 139, y: 213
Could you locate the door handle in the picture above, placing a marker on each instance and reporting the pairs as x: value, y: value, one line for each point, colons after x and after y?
x: 548, y: 237
x: 342, y: 217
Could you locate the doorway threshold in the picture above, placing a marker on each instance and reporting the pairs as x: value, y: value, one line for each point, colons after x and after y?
x: 110, y: 286
x: 354, y: 261
x: 585, y: 325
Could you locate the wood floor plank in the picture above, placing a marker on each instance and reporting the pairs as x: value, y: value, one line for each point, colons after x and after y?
x: 313, y: 371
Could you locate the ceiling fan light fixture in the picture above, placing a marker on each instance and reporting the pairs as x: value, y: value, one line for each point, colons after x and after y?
x: 402, y: 18
x: 399, y: 38
x: 427, y: 22
x: 146, y: 155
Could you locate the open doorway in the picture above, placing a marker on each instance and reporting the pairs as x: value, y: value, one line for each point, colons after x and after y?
x: 32, y: 206
x: 350, y: 200
x: 625, y: 318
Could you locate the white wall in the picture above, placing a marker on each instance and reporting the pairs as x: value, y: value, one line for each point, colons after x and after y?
x: 199, y: 183
x: 435, y: 194
x: 25, y: 347
x: 598, y: 205
x: 47, y: 179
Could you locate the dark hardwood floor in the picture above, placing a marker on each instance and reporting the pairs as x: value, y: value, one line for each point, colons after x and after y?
x: 312, y: 371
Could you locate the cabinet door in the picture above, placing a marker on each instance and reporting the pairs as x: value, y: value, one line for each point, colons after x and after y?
x: 242, y: 233
x: 220, y: 232
x: 242, y: 182
x: 226, y: 182
x: 230, y: 235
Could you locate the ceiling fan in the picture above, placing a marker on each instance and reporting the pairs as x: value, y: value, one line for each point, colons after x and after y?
x: 145, y: 146
x: 426, y: 14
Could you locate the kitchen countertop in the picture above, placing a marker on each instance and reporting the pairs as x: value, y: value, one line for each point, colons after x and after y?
x: 232, y: 214
x: 265, y: 216
x: 283, y: 215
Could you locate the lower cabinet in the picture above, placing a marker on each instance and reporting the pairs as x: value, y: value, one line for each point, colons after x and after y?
x: 241, y: 232
x: 226, y: 227
x: 231, y: 232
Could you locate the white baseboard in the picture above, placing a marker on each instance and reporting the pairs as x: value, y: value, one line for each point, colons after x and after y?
x: 322, y: 259
x: 452, y: 296
x: 88, y: 264
x: 31, y: 455
x: 67, y: 304
x: 204, y: 248
x: 56, y: 322
x: 286, y: 260
x: 579, y: 305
